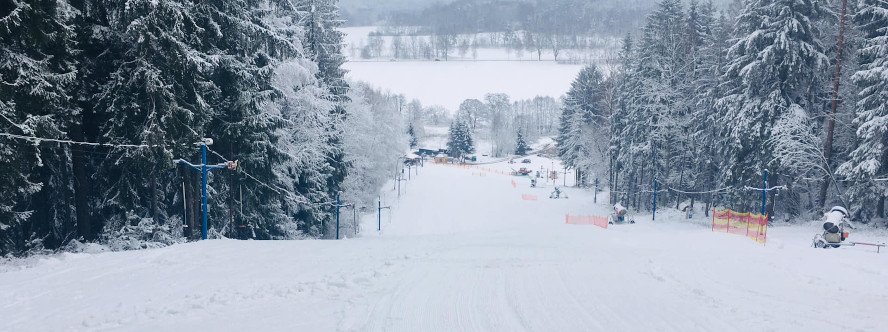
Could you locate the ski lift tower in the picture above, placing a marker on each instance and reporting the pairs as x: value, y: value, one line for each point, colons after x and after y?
x: 204, y: 170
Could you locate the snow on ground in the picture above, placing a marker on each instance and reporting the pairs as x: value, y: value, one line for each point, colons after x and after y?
x: 449, y: 83
x: 461, y: 251
x: 357, y: 38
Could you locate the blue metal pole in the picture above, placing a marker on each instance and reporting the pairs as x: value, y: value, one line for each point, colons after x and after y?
x: 764, y: 191
x: 379, y: 217
x: 203, y: 172
x: 338, y: 206
x: 655, y: 201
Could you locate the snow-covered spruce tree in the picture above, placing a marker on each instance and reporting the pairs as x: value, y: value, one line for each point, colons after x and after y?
x: 665, y: 70
x: 583, y: 132
x: 870, y: 159
x: 411, y: 133
x: 459, y: 140
x: 323, y: 44
x: 304, y: 111
x: 250, y: 55
x: 100, y: 51
x: 620, y: 170
x: 775, y: 62
x: 521, y: 147
x: 705, y: 144
x: 156, y: 95
x: 35, y: 78
x: 653, y: 119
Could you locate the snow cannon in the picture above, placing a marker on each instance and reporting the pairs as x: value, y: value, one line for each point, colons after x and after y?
x: 834, y: 233
x: 619, y: 215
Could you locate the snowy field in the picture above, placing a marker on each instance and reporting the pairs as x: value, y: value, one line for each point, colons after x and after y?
x: 449, y: 83
x: 357, y: 37
x: 461, y: 251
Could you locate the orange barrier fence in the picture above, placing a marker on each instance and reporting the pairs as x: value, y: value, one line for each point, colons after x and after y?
x: 753, y: 226
x: 527, y: 197
x: 477, y: 167
x: 586, y: 220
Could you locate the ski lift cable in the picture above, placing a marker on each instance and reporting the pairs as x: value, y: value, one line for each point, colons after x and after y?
x: 725, y: 189
x: 276, y: 189
x: 765, y: 189
x: 701, y: 192
x: 39, y: 140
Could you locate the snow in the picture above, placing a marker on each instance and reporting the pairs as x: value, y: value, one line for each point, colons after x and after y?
x: 449, y: 83
x: 462, y: 251
x: 358, y: 37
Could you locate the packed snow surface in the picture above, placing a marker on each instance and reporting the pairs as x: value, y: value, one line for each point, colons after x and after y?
x: 462, y: 251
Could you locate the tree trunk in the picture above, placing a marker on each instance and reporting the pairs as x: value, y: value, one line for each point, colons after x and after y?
x: 880, y: 207
x: 85, y: 228
x: 831, y: 121
x: 192, y: 194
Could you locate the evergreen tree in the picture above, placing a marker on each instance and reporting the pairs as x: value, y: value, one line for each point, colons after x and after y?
x: 711, y: 37
x: 775, y: 64
x: 521, y: 147
x: 414, y: 141
x: 459, y: 140
x: 157, y: 96
x: 323, y: 44
x: 653, y: 118
x: 35, y: 78
x: 582, y: 131
x: 869, y: 160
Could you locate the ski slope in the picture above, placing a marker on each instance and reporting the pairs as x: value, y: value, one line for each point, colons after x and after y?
x: 461, y: 251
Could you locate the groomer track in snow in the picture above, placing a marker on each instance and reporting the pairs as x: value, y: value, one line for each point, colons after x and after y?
x: 464, y: 252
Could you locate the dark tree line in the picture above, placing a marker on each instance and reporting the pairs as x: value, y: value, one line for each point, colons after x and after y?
x: 561, y: 17
x: 263, y: 78
x: 705, y: 101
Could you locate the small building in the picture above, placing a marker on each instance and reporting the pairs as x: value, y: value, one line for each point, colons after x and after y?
x: 427, y: 152
x: 412, y: 160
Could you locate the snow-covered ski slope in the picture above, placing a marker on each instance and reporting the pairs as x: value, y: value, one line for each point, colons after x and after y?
x: 464, y: 252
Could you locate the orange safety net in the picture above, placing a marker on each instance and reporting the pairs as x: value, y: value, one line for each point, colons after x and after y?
x: 527, y: 197
x: 753, y: 226
x: 586, y: 220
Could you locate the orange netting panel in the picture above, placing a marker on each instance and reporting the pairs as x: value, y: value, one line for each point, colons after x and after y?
x: 753, y: 226
x: 586, y: 220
